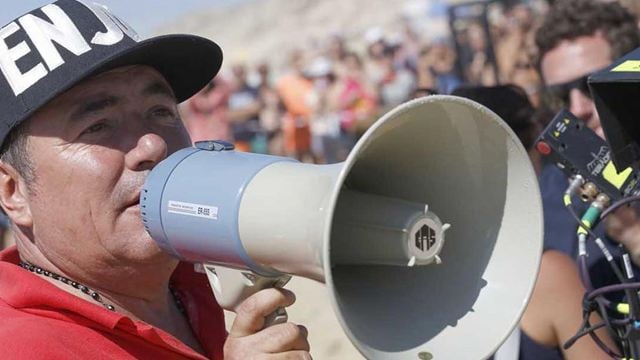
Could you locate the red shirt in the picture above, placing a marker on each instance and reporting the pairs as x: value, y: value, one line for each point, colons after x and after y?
x: 40, y: 321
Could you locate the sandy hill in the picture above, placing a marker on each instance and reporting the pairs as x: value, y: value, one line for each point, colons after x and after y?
x: 269, y: 29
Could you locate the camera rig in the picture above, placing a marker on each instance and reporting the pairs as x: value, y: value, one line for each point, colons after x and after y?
x: 606, y: 175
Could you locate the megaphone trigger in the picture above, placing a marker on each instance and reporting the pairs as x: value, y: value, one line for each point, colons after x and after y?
x: 232, y: 286
x: 280, y: 315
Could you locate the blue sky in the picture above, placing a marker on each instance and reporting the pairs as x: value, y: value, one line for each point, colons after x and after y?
x: 142, y: 15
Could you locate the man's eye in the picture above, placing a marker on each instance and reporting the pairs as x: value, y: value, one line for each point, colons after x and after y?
x: 95, y: 128
x: 163, y: 113
x: 164, y: 116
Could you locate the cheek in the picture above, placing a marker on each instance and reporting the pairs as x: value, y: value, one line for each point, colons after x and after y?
x: 78, y: 180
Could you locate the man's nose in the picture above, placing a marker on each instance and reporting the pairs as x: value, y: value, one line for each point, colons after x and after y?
x: 584, y: 108
x: 149, y: 151
x: 580, y: 105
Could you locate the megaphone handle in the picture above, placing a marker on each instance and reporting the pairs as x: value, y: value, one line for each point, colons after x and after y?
x: 232, y: 286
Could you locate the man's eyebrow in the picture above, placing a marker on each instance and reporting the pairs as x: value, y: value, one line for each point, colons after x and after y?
x: 93, y: 106
x: 158, y: 88
x: 100, y: 103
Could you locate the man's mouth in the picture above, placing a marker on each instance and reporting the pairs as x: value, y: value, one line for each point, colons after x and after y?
x: 134, y: 203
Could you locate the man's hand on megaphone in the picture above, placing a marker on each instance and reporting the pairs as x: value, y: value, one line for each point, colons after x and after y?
x: 249, y: 339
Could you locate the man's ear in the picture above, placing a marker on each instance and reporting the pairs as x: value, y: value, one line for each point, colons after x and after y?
x: 14, y: 196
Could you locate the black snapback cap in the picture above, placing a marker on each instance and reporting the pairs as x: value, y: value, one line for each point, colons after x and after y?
x: 49, y: 50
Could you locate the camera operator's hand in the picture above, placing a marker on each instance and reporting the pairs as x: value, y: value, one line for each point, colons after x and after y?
x: 248, y: 339
x: 623, y: 226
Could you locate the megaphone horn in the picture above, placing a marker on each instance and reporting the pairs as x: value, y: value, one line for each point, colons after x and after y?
x: 402, y: 285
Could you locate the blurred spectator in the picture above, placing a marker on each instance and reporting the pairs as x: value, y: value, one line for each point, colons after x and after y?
x: 514, y: 37
x: 325, y: 120
x: 244, y: 113
x: 375, y: 67
x: 409, y: 44
x: 205, y: 115
x: 294, y: 89
x: 480, y: 70
x: 514, y: 49
x: 436, y: 68
x: 357, y: 99
x: 397, y: 84
x: 336, y: 52
x: 270, y: 112
x: 524, y: 74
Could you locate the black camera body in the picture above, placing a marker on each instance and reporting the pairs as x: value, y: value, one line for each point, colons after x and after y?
x: 578, y: 150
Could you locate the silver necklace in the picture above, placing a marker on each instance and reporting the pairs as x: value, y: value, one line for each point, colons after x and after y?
x: 76, y: 285
x: 87, y: 290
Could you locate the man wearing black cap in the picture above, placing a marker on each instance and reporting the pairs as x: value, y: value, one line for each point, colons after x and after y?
x: 88, y: 110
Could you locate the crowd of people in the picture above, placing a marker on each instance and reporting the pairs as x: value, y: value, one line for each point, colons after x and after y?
x: 316, y: 107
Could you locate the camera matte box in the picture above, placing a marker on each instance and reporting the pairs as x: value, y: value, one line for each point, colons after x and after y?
x: 616, y: 92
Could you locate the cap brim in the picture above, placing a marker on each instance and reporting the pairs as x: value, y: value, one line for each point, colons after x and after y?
x: 187, y: 62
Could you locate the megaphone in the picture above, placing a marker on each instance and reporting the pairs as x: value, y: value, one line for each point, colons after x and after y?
x: 373, y: 229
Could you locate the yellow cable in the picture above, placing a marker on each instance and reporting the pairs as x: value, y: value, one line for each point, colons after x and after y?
x: 623, y: 308
x: 582, y: 230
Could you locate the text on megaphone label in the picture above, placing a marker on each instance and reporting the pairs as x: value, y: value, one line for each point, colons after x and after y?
x: 189, y: 209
